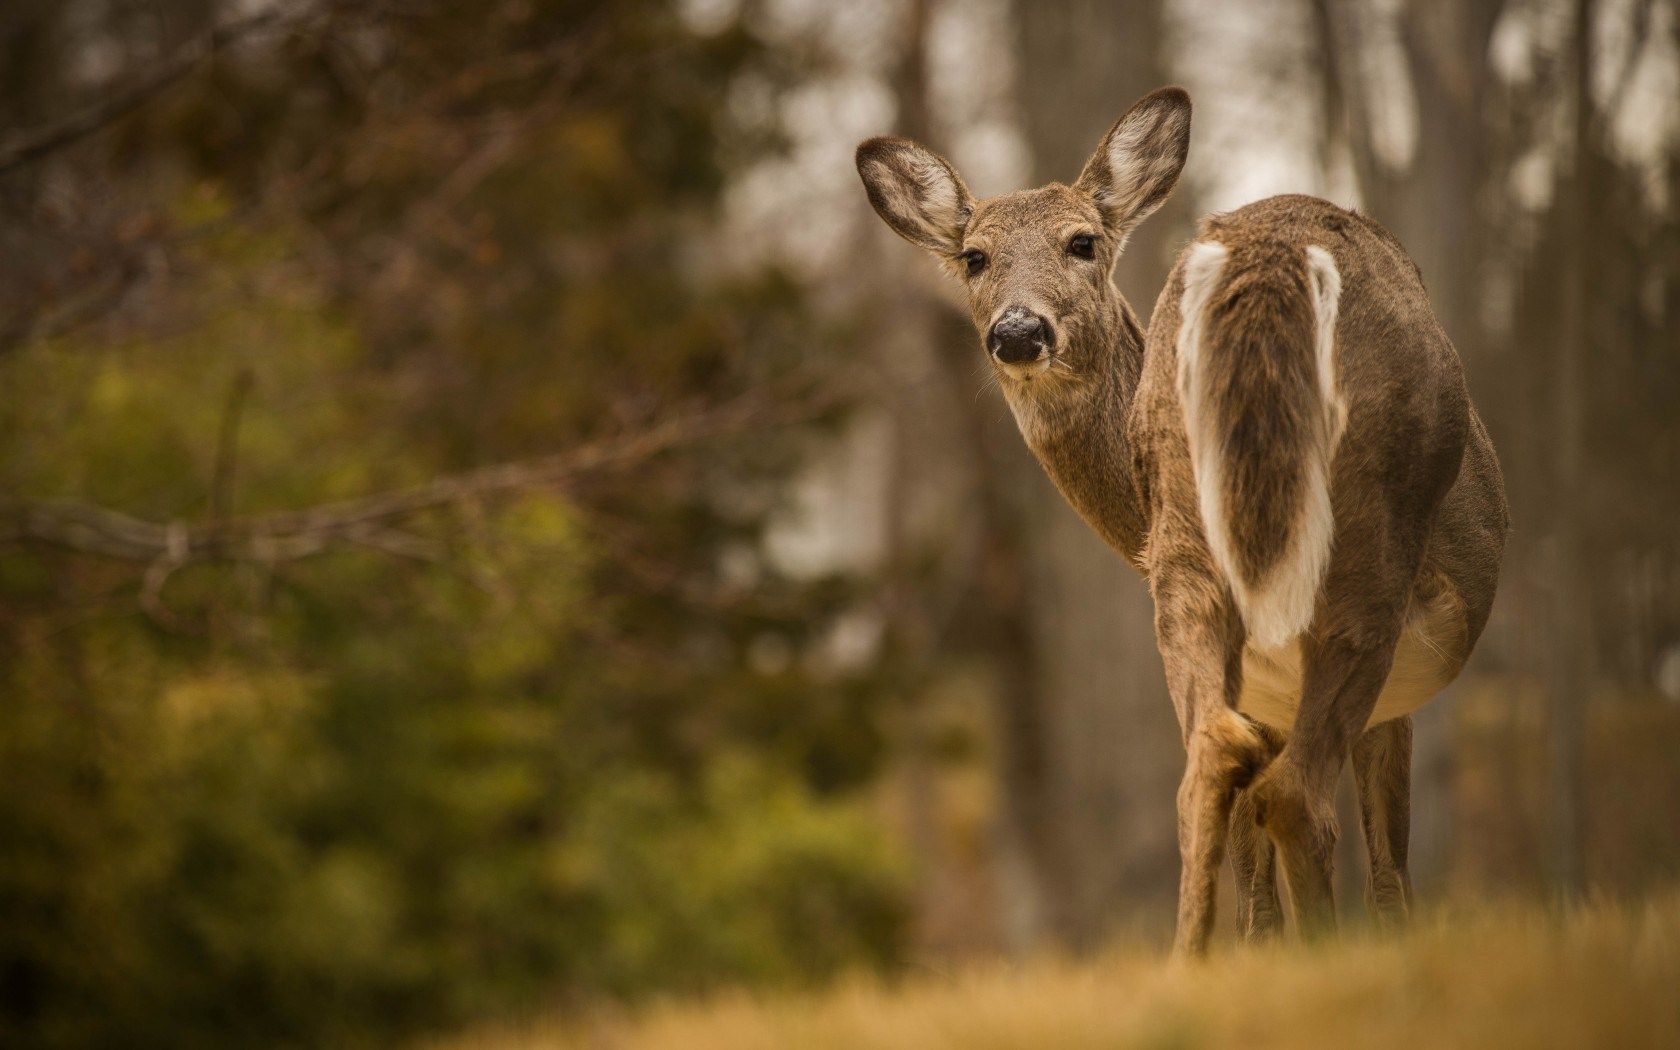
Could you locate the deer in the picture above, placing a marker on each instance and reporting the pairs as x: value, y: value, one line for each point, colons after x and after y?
x: 1290, y: 458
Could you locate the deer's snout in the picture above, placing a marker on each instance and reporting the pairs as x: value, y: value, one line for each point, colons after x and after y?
x: 1020, y: 337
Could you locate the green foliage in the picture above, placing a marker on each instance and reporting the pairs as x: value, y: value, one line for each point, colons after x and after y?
x: 394, y: 831
x: 331, y: 801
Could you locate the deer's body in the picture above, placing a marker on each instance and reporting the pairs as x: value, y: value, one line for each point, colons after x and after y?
x: 1403, y: 388
x: 1290, y: 458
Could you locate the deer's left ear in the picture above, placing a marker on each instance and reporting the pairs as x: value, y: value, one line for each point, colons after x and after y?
x: 916, y: 192
x: 1137, y: 165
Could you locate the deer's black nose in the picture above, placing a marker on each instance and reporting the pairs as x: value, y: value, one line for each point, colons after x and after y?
x: 1019, y: 337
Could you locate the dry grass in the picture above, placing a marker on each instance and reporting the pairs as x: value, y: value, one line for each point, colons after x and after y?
x: 1608, y: 975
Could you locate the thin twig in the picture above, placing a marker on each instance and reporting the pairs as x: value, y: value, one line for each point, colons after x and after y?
x: 226, y: 467
x: 120, y: 103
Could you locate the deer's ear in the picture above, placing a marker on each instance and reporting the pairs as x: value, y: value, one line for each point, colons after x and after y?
x: 916, y: 192
x: 1137, y: 165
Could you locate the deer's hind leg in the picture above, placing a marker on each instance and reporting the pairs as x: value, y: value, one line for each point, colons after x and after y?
x: 1347, y: 656
x: 1201, y: 646
x: 1254, y: 860
x: 1382, y: 771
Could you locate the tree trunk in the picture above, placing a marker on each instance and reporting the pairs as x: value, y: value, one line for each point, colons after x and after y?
x: 1114, y: 753
x: 1572, y: 635
x: 996, y: 622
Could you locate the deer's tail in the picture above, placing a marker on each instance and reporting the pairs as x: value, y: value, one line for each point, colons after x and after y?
x: 1263, y: 412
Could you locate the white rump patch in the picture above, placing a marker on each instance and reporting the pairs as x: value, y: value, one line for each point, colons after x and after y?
x: 1279, y: 607
x: 1326, y: 283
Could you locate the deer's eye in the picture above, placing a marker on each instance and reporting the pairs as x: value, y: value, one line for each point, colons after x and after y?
x: 1083, y: 245
x: 974, y: 260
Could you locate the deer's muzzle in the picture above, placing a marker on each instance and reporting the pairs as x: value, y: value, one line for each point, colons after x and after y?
x: 1020, y: 337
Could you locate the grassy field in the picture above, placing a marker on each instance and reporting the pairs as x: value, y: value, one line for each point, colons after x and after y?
x: 1605, y: 975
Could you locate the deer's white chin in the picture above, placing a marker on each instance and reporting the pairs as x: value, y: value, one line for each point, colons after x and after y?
x: 1024, y: 372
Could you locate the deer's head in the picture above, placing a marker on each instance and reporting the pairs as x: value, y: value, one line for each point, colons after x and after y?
x: 1036, y: 263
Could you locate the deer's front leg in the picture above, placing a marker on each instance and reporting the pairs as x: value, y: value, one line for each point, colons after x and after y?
x: 1254, y: 862
x: 1382, y: 770
x: 1201, y: 646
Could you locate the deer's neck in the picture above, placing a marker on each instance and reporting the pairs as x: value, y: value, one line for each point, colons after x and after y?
x: 1076, y: 426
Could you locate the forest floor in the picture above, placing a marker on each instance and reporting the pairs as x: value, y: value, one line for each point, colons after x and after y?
x: 1604, y: 975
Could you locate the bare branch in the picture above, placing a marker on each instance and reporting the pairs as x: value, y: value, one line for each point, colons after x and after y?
x: 1638, y: 31
x: 119, y: 103
x: 369, y: 521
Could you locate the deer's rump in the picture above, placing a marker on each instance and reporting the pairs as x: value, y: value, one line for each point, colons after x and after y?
x: 1316, y: 383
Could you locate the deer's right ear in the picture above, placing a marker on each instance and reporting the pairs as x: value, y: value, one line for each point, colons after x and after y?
x: 916, y: 192
x: 1138, y: 162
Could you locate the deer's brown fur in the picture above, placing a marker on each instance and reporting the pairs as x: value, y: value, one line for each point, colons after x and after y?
x: 1290, y: 458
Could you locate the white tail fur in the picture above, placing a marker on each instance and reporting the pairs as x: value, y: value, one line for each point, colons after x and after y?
x: 1279, y: 606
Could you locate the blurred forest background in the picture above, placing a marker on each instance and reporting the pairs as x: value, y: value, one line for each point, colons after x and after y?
x: 489, y: 521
